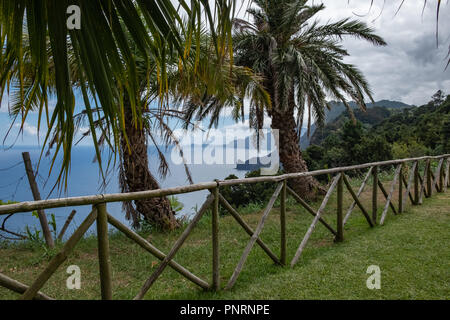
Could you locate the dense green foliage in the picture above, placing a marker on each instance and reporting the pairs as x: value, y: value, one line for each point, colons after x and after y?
x: 244, y: 194
x: 368, y: 118
x: 410, y: 132
x: 418, y: 131
x: 351, y: 144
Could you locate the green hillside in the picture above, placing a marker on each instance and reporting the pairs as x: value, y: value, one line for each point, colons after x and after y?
x: 381, y: 134
x: 338, y: 108
x: 369, y: 118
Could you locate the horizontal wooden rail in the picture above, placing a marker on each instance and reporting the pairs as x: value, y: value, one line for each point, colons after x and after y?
x: 119, y: 197
x: 324, y: 171
x: 19, y: 287
x: 101, y: 198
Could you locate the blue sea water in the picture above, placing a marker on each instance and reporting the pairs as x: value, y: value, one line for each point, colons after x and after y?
x: 84, y: 179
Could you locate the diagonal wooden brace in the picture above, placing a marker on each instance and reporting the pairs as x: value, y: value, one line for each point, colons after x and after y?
x: 247, y: 228
x: 253, y: 239
x: 436, y: 176
x: 149, y: 282
x: 156, y: 252
x: 422, y: 183
x: 409, y: 193
x: 316, y: 219
x: 355, y: 198
x: 383, y: 190
x: 19, y: 287
x: 409, y: 185
x: 310, y: 210
x: 361, y: 189
x: 57, y: 260
x: 447, y: 175
x: 389, y: 197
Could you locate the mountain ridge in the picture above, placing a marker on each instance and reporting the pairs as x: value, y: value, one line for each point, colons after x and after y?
x: 337, y: 108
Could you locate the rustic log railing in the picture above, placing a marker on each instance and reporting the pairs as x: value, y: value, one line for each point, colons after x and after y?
x: 416, y: 186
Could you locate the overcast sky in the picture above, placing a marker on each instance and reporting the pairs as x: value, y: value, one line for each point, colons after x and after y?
x: 411, y: 68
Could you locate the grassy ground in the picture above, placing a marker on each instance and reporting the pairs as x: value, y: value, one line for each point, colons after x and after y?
x: 412, y: 250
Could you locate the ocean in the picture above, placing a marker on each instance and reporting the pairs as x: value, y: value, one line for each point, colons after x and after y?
x: 84, y: 179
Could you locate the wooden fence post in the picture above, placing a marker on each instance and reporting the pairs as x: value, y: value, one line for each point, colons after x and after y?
x: 400, y: 190
x: 215, y: 241
x: 448, y: 172
x: 429, y: 180
x: 416, y: 184
x: 374, y: 194
x: 447, y: 175
x: 340, y: 201
x: 37, y: 196
x: 441, y: 176
x: 103, y: 251
x: 283, y: 224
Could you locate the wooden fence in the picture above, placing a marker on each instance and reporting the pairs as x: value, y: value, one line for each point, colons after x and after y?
x: 415, y: 187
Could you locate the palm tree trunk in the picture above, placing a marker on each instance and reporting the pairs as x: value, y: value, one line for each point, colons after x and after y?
x: 135, y: 176
x: 291, y: 155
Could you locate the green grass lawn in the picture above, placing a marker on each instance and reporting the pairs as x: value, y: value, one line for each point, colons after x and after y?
x: 412, y: 250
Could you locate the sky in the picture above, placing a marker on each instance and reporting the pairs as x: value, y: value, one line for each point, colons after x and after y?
x: 410, y: 69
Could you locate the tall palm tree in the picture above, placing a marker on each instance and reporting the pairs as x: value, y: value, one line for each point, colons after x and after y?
x: 99, y: 59
x: 301, y: 62
x: 101, y: 52
x: 199, y: 73
x: 134, y: 174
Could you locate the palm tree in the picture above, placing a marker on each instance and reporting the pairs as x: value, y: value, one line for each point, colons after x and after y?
x: 301, y: 62
x: 101, y: 53
x: 134, y: 174
x: 198, y: 73
x: 103, y: 64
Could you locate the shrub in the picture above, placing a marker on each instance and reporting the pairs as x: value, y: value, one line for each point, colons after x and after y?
x: 243, y: 195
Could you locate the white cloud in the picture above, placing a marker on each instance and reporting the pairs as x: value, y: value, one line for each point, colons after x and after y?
x: 411, y: 67
x: 4, y: 104
x: 28, y: 129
